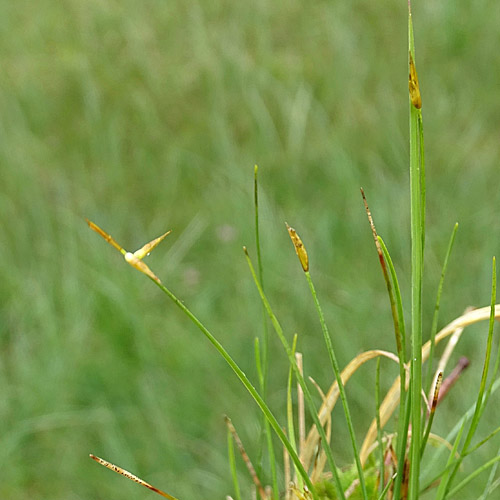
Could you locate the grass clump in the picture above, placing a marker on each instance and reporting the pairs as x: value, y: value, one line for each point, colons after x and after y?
x: 387, y: 464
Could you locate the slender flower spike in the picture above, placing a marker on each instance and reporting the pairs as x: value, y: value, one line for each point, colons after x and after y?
x: 134, y: 259
x: 299, y: 248
x: 415, y: 96
x: 437, y: 387
x: 130, y: 476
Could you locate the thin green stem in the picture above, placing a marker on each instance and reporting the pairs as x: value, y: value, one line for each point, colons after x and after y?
x: 399, y: 307
x: 394, y: 293
x: 470, y: 477
x: 451, y: 463
x: 338, y: 377
x: 404, y: 402
x: 232, y: 465
x: 246, y: 382
x: 402, y: 441
x: 386, y: 488
x: 300, y: 378
x: 489, y: 483
x: 265, y: 330
x: 289, y: 409
x: 379, y: 428
x: 457, y: 430
x: 482, y: 386
x: 432, y: 412
x: 417, y: 238
x: 262, y: 361
x: 436, y: 308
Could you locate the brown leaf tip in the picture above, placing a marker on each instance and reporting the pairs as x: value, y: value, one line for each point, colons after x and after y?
x: 415, y: 97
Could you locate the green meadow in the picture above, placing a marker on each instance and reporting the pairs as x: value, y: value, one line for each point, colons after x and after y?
x: 149, y: 116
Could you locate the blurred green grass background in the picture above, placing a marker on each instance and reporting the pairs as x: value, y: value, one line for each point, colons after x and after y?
x: 148, y: 116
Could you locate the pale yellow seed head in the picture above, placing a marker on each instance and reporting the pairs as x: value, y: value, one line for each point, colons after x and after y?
x: 299, y: 248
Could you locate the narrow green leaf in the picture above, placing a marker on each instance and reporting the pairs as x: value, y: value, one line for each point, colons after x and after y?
x: 245, y: 381
x: 379, y: 429
x: 482, y: 386
x: 232, y: 465
x: 338, y: 377
x: 305, y: 389
x: 436, y: 308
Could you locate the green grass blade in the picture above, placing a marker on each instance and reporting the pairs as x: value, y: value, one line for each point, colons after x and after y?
x: 445, y: 477
x: 379, y: 429
x: 402, y: 440
x: 493, y: 379
x: 451, y: 463
x: 289, y: 409
x: 258, y: 360
x: 396, y: 305
x: 417, y: 238
x: 232, y: 465
x: 431, y: 414
x: 338, y: 377
x: 489, y: 484
x: 483, y: 441
x: 458, y: 430
x: 245, y: 381
x: 404, y: 402
x: 265, y: 330
x: 422, y: 175
x: 300, y: 378
x: 436, y: 308
x: 482, y: 386
x: 394, y: 293
x: 471, y: 476
x: 263, y: 361
x: 399, y: 306
x: 386, y: 488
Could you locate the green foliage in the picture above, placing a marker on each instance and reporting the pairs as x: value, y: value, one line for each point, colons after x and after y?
x: 326, y: 490
x: 138, y: 116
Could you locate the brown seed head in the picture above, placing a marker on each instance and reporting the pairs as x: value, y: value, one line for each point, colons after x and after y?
x: 415, y: 96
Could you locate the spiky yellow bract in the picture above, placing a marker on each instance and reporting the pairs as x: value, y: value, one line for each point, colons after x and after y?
x: 416, y: 98
x: 134, y: 259
x: 299, y: 248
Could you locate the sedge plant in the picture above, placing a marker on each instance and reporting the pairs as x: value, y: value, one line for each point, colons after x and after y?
x: 387, y: 465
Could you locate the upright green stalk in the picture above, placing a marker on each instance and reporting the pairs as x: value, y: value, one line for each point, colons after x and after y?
x: 338, y: 377
x: 262, y: 360
x: 300, y: 378
x: 436, y: 309
x: 447, y: 478
x: 248, y: 385
x: 417, y: 240
x: 304, y: 262
x: 232, y: 465
x: 379, y: 428
x: 265, y: 337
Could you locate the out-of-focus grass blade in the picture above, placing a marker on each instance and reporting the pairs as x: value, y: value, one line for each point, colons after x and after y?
x: 232, y: 465
x: 379, y: 428
x: 289, y: 412
x: 435, y: 317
